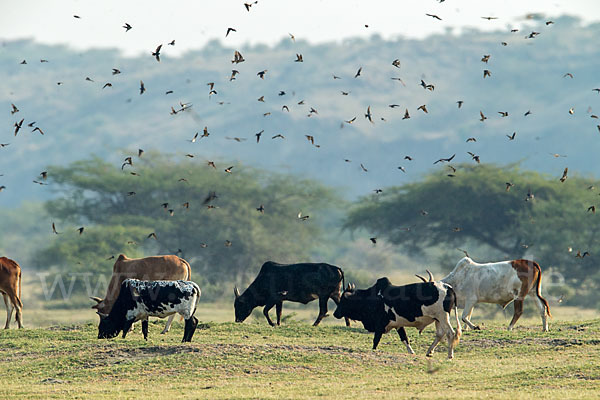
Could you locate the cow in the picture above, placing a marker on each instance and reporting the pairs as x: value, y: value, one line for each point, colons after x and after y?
x: 384, y: 307
x: 300, y: 283
x: 10, y: 287
x: 167, y: 267
x: 498, y: 283
x: 139, y: 300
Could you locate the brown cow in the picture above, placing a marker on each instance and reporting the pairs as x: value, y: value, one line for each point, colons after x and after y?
x: 157, y: 268
x: 10, y: 287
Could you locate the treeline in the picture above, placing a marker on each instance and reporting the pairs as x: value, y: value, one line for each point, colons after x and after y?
x: 228, y: 223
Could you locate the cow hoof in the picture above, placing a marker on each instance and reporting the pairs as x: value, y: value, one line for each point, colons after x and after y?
x: 429, y: 355
x: 477, y: 328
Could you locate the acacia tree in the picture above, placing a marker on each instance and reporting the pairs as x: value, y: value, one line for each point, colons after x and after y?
x: 225, y: 224
x: 538, y: 216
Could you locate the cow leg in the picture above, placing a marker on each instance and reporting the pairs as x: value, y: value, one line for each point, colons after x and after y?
x: 439, y: 335
x: 322, y: 310
x: 19, y: 311
x: 9, y: 310
x: 518, y: 313
x: 145, y: 328
x: 266, y: 313
x: 376, y: 339
x: 466, y: 315
x: 449, y: 331
x: 127, y: 326
x: 404, y: 339
x: 190, y: 327
x: 278, y: 310
x: 168, y: 324
x: 542, y: 308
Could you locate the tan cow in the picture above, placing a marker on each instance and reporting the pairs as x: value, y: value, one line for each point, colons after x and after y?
x: 10, y: 287
x: 157, y: 268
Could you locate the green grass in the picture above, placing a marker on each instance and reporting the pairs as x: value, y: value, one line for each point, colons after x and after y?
x: 253, y: 360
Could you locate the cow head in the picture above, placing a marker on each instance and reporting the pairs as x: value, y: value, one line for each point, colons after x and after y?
x: 346, y: 304
x: 107, y: 329
x: 100, y: 306
x: 243, y: 305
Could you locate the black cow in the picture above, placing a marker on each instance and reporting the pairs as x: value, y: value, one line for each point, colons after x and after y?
x: 300, y: 283
x: 139, y: 300
x: 384, y: 307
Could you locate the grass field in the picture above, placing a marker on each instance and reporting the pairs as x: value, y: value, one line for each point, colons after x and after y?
x: 253, y: 360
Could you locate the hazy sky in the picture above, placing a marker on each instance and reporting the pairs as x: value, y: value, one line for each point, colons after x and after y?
x: 193, y: 23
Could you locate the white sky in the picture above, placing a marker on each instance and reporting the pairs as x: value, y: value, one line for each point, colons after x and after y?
x: 193, y: 23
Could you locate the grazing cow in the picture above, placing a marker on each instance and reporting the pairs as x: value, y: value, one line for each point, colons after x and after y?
x: 10, y: 287
x: 498, y: 283
x: 168, y: 268
x: 300, y: 283
x: 139, y: 300
x: 384, y: 307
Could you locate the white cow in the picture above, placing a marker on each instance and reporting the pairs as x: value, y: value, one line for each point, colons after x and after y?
x: 498, y: 283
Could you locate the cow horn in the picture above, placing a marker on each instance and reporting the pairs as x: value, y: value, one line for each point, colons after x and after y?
x: 353, y: 286
x: 421, y: 278
x: 349, y: 287
x: 236, y: 292
x: 96, y: 299
x: 102, y: 315
x: 430, y: 275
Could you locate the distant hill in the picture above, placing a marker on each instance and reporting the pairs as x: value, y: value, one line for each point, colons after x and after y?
x: 80, y: 118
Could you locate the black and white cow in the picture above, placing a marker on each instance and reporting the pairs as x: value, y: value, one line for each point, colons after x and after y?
x: 384, y: 307
x: 139, y: 300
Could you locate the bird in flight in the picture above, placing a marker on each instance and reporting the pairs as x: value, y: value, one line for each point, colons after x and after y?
x: 229, y: 30
x: 18, y: 126
x: 564, y: 175
x: 368, y: 115
x: 445, y: 159
x: 248, y: 5
x: 358, y: 72
x: 434, y: 16
x: 156, y: 53
x: 142, y: 87
x: 127, y: 27
x: 237, y: 57
x: 512, y: 137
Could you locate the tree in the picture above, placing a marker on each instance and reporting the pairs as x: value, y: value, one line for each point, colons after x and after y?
x: 225, y: 224
x: 537, y: 216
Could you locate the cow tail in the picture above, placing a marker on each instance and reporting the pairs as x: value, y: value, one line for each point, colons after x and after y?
x: 343, y: 280
x: 538, y: 288
x: 189, y: 268
x: 19, y: 299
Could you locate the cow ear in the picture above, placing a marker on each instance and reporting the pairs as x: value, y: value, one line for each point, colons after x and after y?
x: 236, y: 292
x: 283, y: 293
